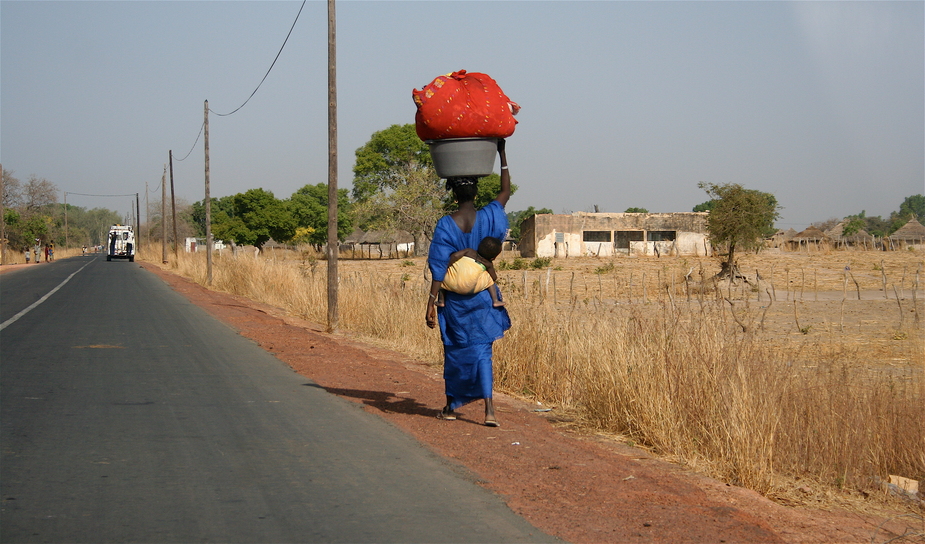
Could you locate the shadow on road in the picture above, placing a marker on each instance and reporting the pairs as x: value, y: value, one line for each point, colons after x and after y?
x: 381, y: 400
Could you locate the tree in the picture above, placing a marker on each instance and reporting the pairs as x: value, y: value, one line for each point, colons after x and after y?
x: 741, y: 219
x: 704, y: 206
x: 636, y: 210
x: 384, y: 161
x: 309, y: 207
x: 257, y: 218
x: 853, y: 226
x: 912, y: 206
x: 12, y: 190
x: 516, y: 218
x: 39, y: 193
x: 90, y: 227
x: 414, y: 206
x: 488, y: 189
x: 198, y: 213
x: 876, y: 225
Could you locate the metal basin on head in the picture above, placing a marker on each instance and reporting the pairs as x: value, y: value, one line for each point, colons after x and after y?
x: 463, y: 157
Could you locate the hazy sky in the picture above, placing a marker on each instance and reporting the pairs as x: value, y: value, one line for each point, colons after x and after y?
x: 624, y: 103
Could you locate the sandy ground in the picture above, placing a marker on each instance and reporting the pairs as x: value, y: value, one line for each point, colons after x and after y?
x: 578, y: 487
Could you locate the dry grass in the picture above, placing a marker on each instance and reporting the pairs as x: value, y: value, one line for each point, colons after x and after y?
x: 792, y: 379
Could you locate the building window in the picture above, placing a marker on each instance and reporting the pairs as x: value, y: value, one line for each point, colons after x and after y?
x: 595, y: 236
x: 622, y: 238
x: 661, y: 235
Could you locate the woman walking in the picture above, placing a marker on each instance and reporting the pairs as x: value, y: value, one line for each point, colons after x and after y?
x: 469, y: 324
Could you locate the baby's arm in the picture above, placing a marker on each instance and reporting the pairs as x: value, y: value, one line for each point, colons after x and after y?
x: 468, y: 252
x: 490, y: 268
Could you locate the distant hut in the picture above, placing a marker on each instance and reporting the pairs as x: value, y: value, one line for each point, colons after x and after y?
x: 911, y: 234
x: 385, y: 244
x: 861, y: 238
x: 811, y: 236
x: 353, y: 240
x: 782, y: 237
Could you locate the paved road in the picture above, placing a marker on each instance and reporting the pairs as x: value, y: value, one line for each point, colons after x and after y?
x: 127, y: 414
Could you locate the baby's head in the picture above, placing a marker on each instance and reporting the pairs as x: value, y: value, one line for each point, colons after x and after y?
x: 489, y: 248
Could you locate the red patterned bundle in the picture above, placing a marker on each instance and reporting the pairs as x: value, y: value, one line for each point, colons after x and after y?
x: 463, y: 105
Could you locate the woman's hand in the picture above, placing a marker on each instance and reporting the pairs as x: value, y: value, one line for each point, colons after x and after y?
x: 431, y: 314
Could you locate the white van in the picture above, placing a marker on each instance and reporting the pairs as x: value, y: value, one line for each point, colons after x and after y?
x: 121, y: 243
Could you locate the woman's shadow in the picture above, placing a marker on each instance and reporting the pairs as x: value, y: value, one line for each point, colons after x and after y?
x: 381, y: 400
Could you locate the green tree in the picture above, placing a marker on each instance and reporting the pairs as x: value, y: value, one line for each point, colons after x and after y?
x: 257, y: 218
x: 198, y: 213
x: 387, y: 158
x: 704, y: 206
x: 488, y: 189
x: 516, y: 218
x: 636, y: 210
x: 912, y: 206
x: 414, y: 206
x: 740, y: 219
x: 309, y: 207
x: 877, y: 226
x: 853, y: 226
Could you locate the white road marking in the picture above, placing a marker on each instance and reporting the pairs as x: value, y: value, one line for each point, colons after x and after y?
x: 13, y: 319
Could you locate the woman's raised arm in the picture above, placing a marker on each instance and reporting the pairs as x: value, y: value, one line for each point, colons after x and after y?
x: 505, y: 193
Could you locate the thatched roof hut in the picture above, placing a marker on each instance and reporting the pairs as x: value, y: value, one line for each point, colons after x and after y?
x: 912, y: 231
x: 387, y: 244
x: 837, y: 233
x: 810, y: 234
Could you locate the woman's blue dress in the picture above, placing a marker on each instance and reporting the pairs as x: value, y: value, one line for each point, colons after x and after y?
x: 469, y: 324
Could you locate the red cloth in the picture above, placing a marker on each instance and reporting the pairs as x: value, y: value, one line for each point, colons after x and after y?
x: 463, y: 105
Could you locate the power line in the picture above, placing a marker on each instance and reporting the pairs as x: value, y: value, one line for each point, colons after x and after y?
x: 82, y: 194
x: 194, y: 143
x: 268, y: 71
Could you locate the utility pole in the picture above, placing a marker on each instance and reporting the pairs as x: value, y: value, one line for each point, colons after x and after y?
x: 208, y: 202
x: 2, y: 221
x: 173, y: 207
x: 332, y: 169
x: 163, y: 216
x: 137, y: 219
x: 65, y: 220
x: 147, y: 216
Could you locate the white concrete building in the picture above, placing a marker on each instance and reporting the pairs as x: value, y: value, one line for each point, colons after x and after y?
x: 606, y: 234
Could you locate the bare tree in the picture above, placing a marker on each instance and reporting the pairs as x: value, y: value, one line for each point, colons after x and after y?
x: 38, y: 193
x: 12, y: 190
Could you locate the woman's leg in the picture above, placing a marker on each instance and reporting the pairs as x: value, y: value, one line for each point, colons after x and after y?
x: 447, y: 412
x: 490, y: 419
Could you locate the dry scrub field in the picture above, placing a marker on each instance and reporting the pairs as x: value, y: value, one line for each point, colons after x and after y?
x: 808, y: 375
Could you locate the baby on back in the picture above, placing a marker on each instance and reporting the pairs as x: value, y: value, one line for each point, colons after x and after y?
x: 472, y: 271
